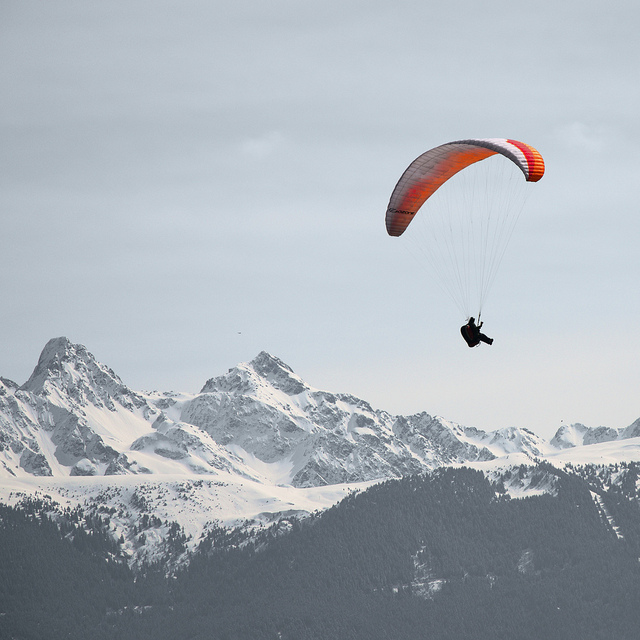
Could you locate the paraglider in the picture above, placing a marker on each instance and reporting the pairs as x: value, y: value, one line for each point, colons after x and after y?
x: 472, y: 334
x: 466, y: 238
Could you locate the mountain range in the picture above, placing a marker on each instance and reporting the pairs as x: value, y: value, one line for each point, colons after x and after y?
x: 254, y: 445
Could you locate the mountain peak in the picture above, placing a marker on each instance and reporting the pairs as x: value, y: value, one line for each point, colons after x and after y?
x: 56, y: 349
x: 276, y: 372
x: 70, y: 372
x: 57, y: 353
x: 248, y: 377
x: 264, y: 363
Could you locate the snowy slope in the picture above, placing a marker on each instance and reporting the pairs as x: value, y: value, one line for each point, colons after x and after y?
x: 195, y: 504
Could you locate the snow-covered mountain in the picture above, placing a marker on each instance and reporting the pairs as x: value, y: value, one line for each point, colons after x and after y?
x: 75, y: 416
x: 576, y: 435
x: 256, y: 443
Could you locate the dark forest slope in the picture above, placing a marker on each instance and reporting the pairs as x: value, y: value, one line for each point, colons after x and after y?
x: 438, y: 556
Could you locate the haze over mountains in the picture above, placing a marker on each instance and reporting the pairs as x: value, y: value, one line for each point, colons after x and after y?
x: 252, y: 445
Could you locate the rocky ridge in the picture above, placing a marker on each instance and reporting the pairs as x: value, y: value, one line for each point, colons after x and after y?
x: 75, y: 416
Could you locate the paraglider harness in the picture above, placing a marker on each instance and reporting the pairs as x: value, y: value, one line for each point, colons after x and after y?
x: 471, y: 333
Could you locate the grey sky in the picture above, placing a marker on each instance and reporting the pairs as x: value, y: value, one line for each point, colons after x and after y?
x: 185, y: 184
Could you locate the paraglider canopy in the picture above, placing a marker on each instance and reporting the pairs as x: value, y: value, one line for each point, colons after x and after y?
x: 432, y: 169
x: 468, y: 223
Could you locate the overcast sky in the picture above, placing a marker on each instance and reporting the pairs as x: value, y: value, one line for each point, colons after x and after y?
x: 183, y: 185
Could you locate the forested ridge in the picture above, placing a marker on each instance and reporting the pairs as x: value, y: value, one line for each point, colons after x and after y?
x: 444, y: 555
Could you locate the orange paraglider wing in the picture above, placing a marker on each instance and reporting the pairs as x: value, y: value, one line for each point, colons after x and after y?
x: 432, y: 169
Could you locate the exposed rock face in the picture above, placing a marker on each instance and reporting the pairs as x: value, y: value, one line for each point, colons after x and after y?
x: 264, y: 409
x: 35, y: 463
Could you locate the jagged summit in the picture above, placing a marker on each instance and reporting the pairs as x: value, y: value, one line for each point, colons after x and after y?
x: 276, y: 372
x: 56, y: 353
x: 71, y: 373
x: 265, y: 363
x: 62, y: 362
x: 249, y: 377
